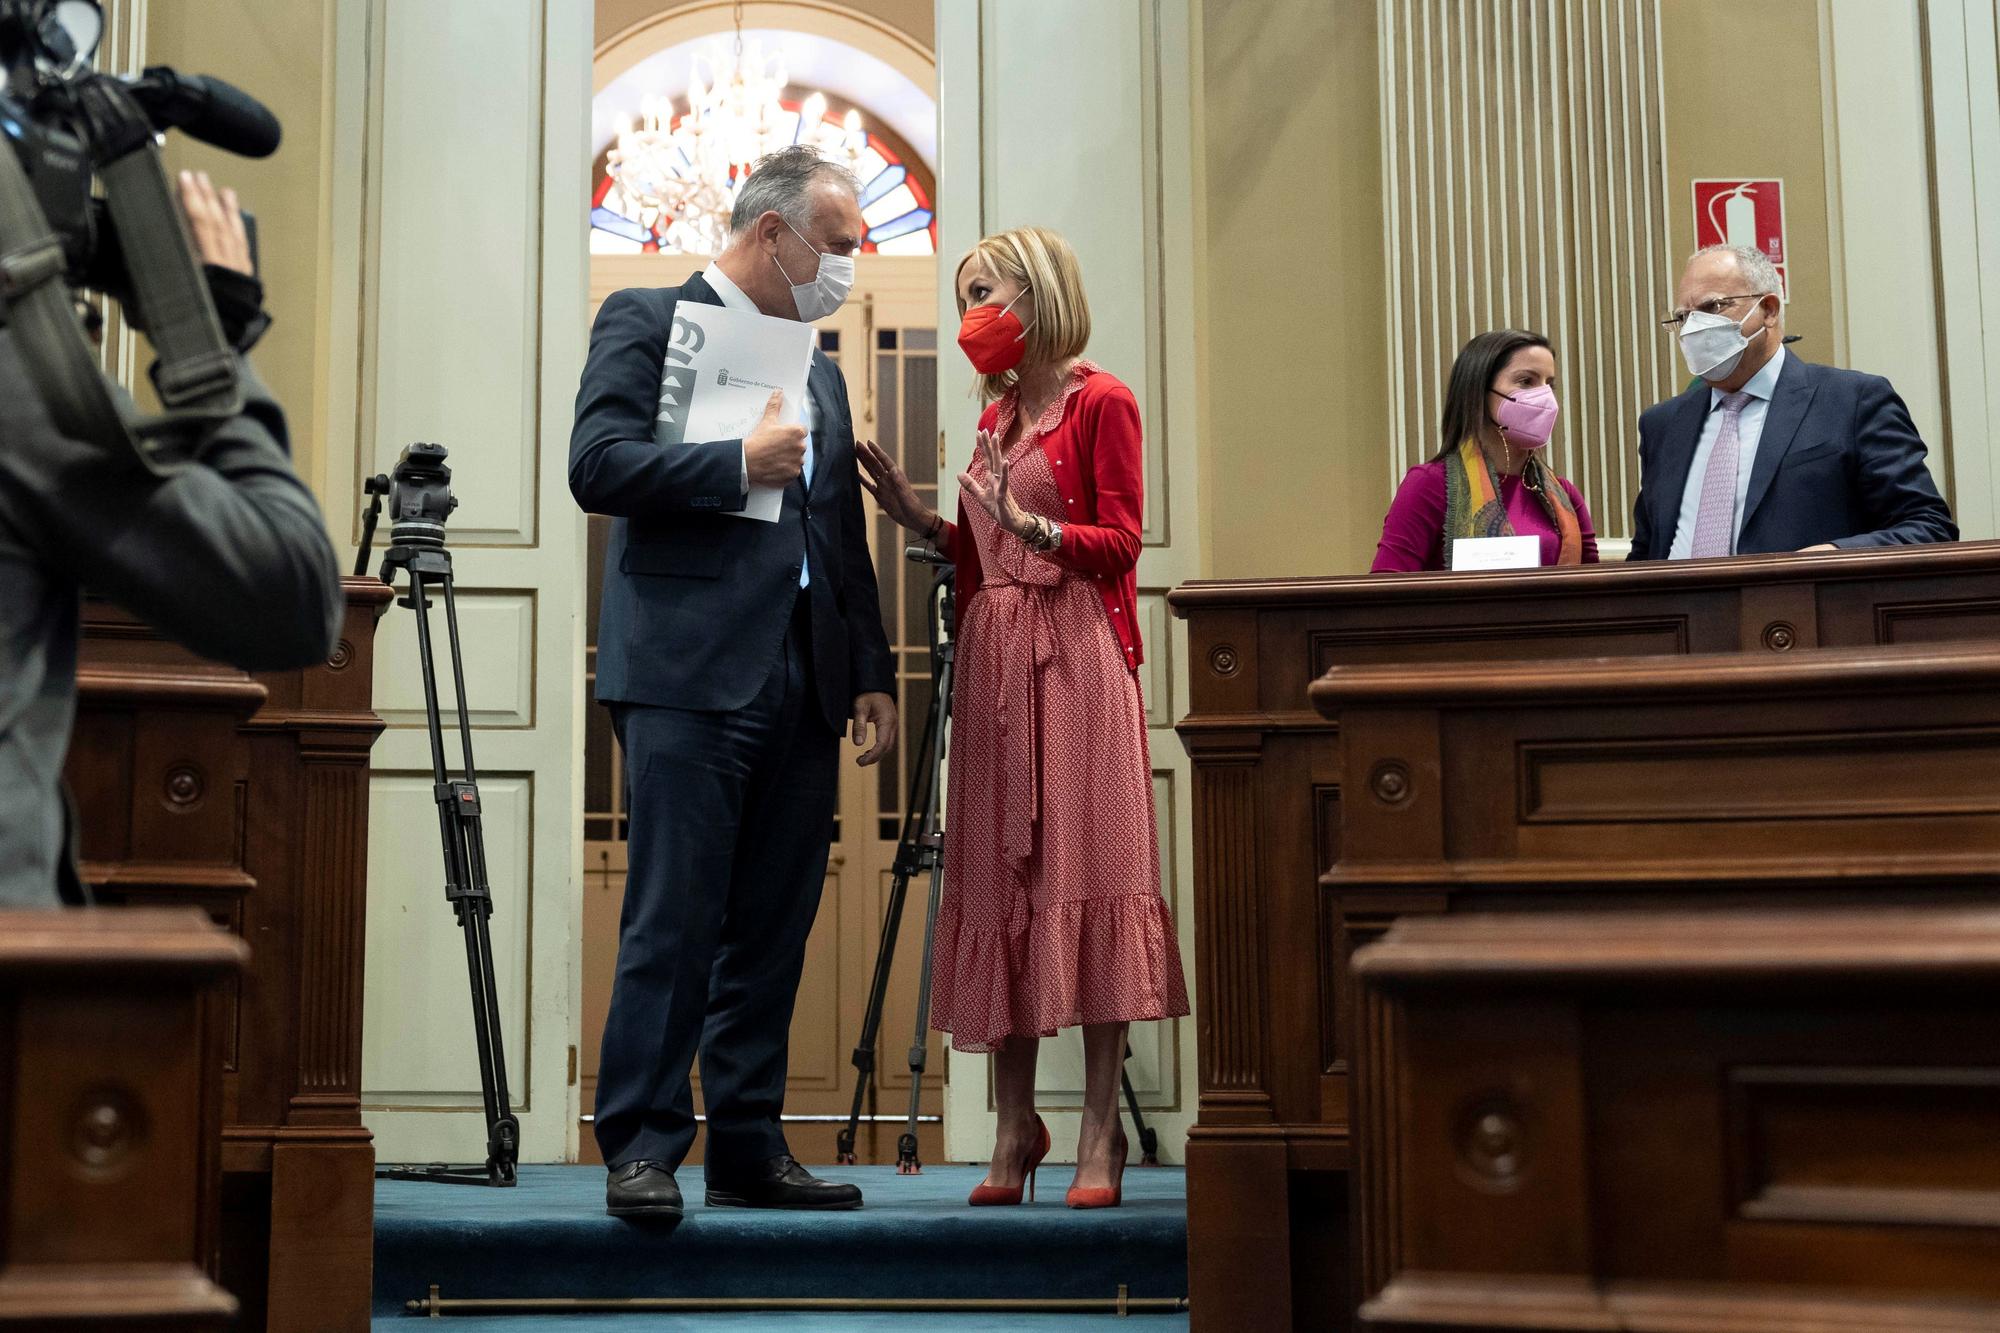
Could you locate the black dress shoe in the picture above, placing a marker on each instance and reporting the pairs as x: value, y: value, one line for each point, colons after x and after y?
x: 780, y: 1183
x: 644, y: 1190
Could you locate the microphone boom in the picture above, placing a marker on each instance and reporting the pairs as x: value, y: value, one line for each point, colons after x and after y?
x: 209, y: 109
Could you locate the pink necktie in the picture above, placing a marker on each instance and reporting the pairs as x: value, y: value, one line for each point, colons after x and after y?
x: 1715, y: 521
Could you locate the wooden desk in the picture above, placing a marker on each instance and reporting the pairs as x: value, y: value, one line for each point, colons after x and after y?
x: 1862, y: 769
x: 248, y: 797
x: 110, y: 1119
x: 1779, y: 1121
x: 1268, y: 1155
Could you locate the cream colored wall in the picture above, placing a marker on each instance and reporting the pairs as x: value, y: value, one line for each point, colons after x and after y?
x: 1744, y: 99
x: 1290, y: 287
x: 277, y: 53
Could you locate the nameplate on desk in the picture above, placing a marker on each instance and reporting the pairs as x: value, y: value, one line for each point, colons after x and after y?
x: 1496, y: 553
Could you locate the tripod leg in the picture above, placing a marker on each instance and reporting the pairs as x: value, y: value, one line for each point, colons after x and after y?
x: 1149, y: 1139
x: 458, y: 677
x: 465, y: 883
x: 502, y: 1129
x: 908, y: 1162
x: 909, y: 859
x: 871, y: 1017
x: 427, y: 661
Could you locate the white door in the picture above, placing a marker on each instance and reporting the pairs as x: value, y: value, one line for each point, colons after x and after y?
x: 1116, y: 182
x: 459, y: 227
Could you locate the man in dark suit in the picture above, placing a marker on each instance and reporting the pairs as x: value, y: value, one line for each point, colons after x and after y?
x: 1771, y: 453
x: 732, y: 653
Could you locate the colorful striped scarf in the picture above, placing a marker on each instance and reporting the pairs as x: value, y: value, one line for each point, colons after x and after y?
x: 1473, y: 508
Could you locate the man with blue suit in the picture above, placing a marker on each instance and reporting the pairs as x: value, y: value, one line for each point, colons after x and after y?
x: 732, y: 653
x: 1771, y: 453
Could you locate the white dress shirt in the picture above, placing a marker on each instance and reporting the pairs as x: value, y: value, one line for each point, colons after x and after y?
x: 1749, y: 431
x: 733, y: 297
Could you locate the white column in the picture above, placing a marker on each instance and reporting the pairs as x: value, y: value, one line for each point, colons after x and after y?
x: 1879, y: 196
x: 1965, y: 165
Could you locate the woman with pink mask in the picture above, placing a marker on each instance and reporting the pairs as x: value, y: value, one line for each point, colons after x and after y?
x: 1488, y: 478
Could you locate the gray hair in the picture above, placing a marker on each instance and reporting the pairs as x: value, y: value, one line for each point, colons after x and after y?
x: 782, y: 182
x: 1755, y: 265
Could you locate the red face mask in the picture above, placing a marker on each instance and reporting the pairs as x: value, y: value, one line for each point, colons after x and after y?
x: 992, y: 337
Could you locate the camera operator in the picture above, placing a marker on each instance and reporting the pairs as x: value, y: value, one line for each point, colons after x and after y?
x: 228, y: 555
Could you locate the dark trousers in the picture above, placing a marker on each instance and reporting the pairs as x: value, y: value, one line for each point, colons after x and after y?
x: 732, y: 815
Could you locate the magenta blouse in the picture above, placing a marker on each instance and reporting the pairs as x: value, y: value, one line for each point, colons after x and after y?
x: 1413, y: 531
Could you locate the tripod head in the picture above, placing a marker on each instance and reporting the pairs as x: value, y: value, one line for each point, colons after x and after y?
x: 420, y: 498
x: 418, y: 490
x: 944, y: 588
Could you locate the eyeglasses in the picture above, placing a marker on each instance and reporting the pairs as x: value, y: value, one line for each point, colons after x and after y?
x: 1713, y: 306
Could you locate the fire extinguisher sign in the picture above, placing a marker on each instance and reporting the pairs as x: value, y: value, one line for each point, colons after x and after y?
x: 1746, y: 213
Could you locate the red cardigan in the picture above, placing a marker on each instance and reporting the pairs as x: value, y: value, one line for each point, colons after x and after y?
x: 1095, y: 450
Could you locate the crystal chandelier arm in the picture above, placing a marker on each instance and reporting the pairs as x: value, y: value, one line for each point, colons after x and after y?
x: 615, y: 467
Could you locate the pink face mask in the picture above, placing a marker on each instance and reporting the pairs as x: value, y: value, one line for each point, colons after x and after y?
x: 1527, y: 418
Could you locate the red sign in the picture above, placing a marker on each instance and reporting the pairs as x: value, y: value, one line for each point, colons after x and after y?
x: 1746, y: 213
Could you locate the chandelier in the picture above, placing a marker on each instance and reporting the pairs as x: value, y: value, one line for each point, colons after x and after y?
x: 680, y: 173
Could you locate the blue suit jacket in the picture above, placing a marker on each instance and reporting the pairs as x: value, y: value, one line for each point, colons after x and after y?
x: 695, y: 601
x: 1839, y: 461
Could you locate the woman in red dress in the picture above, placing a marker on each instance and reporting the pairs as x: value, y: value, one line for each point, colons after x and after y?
x: 1052, y: 915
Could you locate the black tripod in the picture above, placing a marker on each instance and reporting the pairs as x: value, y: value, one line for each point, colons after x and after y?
x: 920, y: 850
x: 416, y: 544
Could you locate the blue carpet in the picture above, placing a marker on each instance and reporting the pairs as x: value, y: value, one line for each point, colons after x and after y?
x: 549, y: 1236
x: 794, y: 1323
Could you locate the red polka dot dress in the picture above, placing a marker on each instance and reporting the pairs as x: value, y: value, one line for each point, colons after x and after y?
x: 1051, y: 914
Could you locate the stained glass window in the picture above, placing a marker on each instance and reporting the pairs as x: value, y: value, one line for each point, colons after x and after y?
x: 896, y: 202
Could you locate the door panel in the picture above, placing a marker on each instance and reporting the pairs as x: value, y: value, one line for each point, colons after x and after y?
x: 467, y: 269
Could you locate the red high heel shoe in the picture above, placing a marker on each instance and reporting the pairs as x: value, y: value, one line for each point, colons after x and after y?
x: 988, y: 1196
x: 1096, y: 1196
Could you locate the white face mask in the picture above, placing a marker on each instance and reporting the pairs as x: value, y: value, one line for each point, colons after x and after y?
x: 828, y: 289
x: 1713, y: 344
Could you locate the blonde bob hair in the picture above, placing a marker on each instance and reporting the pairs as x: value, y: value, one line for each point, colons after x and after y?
x: 1042, y: 261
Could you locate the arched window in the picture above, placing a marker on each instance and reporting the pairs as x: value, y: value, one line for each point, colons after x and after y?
x: 677, y: 134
